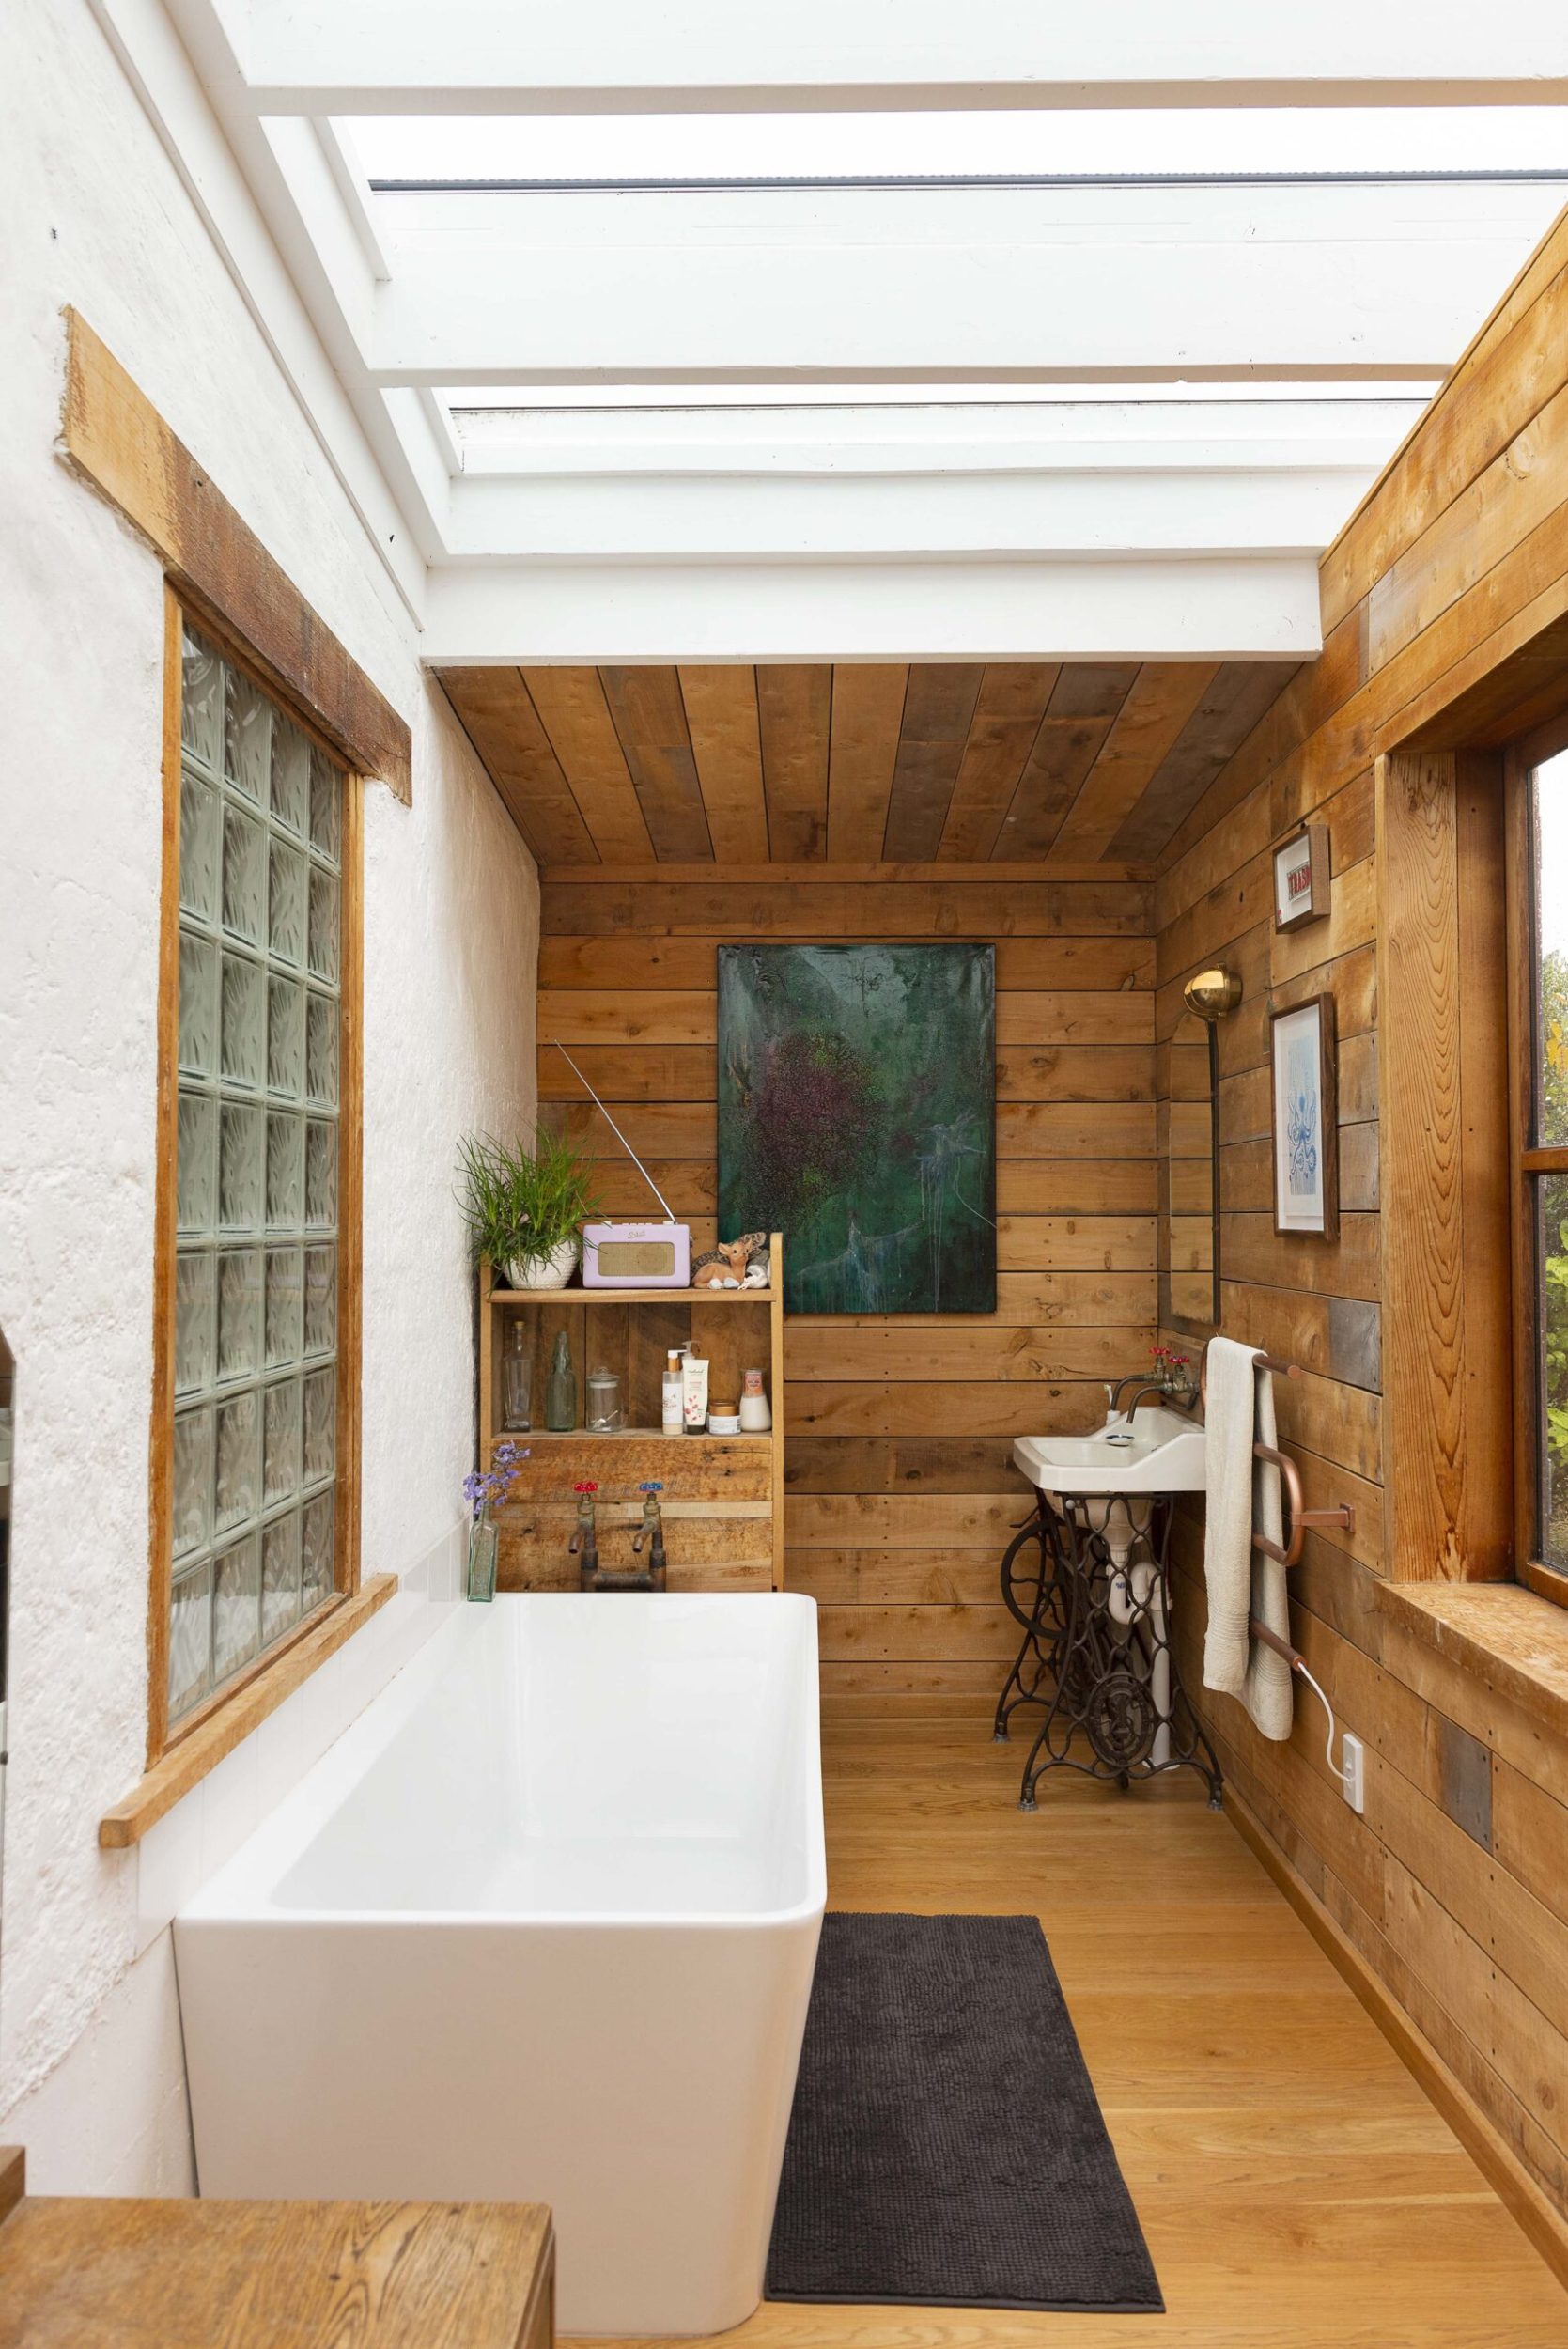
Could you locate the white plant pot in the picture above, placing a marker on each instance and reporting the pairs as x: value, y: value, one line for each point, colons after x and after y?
x: 547, y: 1272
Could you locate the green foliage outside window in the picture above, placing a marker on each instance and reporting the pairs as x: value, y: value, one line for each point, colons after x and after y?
x: 1554, y: 1238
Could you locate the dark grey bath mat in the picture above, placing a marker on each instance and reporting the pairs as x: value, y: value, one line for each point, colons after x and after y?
x: 946, y: 2144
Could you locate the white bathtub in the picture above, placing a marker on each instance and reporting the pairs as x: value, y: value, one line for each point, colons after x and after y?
x: 540, y: 1927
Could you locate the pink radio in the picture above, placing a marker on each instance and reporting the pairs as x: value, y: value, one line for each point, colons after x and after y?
x: 636, y: 1255
x: 633, y: 1256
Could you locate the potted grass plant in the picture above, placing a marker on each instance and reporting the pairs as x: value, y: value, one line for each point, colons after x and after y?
x: 525, y: 1208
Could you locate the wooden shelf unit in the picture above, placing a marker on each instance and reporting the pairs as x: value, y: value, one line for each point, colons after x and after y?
x: 723, y: 1499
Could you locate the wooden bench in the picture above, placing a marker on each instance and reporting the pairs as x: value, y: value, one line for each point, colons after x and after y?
x: 80, y: 2272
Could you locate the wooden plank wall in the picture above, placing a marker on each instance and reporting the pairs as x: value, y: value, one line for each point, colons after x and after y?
x: 1452, y: 1886
x: 900, y: 1497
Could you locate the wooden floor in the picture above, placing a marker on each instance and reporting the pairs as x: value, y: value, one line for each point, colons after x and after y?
x: 1297, y: 2188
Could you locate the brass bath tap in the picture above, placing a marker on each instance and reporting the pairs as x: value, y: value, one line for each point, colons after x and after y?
x: 586, y: 1537
x: 652, y: 1531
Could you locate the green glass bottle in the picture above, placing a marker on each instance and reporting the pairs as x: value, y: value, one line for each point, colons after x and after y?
x: 561, y: 1394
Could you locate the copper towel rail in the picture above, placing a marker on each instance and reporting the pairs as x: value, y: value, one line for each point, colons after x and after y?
x: 1260, y: 1361
x: 1300, y: 1517
x: 1289, y: 1554
x: 1343, y: 1516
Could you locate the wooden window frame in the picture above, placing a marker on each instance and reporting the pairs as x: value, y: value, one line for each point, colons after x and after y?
x: 1449, y: 1443
x: 1526, y: 1163
x: 281, y: 1662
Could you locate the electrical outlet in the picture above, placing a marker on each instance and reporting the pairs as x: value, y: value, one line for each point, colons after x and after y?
x: 1355, y: 1771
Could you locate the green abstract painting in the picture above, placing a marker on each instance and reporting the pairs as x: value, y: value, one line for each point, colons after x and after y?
x: 857, y: 1091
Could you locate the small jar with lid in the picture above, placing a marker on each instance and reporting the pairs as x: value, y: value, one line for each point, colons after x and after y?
x: 723, y: 1417
x: 605, y: 1403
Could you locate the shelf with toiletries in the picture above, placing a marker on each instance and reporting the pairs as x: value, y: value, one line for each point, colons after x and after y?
x: 610, y: 1362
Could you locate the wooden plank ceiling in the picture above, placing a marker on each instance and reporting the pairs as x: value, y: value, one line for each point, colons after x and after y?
x: 933, y: 762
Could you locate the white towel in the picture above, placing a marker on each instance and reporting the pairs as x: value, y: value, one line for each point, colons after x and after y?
x: 1243, y: 1499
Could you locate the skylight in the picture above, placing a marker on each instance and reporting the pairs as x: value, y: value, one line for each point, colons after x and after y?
x: 1306, y: 142
x: 518, y: 398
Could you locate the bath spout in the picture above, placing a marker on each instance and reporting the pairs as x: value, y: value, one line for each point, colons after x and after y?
x: 652, y: 1528
x: 651, y: 1532
x: 585, y: 1538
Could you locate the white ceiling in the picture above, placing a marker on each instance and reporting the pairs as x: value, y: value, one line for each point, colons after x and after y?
x: 1110, y: 417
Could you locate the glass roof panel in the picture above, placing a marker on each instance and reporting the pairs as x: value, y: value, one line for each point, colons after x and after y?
x: 475, y: 399
x: 1305, y: 142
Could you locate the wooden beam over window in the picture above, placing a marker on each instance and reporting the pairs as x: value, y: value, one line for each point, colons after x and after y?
x: 114, y: 437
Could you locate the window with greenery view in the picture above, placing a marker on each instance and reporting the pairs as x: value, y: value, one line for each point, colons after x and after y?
x: 1545, y: 1161
x: 257, y: 1189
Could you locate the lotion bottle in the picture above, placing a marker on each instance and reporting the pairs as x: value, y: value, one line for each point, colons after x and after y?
x: 694, y: 1392
x: 671, y: 1408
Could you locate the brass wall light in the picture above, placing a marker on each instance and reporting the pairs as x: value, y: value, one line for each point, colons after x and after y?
x: 1212, y: 996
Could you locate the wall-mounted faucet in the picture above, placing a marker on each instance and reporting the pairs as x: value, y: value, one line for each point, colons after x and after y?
x: 1187, y: 1402
x: 652, y: 1531
x: 649, y: 1534
x: 583, y: 1544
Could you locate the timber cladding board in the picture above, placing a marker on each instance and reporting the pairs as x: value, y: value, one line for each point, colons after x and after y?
x: 1443, y: 604
x: 942, y: 763
x: 900, y: 1495
x: 113, y: 436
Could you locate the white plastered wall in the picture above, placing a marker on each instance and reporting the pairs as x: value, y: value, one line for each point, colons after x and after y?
x: 90, y: 2073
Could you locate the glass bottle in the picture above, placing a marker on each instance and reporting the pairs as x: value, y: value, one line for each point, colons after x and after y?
x: 482, y: 1542
x: 561, y: 1393
x: 516, y: 1378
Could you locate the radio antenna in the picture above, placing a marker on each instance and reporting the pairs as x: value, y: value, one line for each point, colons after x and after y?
x: 625, y: 1145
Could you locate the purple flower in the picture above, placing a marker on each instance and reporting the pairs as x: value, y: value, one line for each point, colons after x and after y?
x: 481, y: 1490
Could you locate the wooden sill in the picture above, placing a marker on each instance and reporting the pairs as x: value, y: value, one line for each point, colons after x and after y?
x: 119, y: 2272
x: 1511, y: 1638
x: 186, y: 1763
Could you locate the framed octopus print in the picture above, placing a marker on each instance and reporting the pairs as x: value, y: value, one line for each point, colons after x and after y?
x: 1306, y: 1131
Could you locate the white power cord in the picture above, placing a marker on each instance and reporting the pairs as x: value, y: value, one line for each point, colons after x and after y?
x: 1346, y: 1772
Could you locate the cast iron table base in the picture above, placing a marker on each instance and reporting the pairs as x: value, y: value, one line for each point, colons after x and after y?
x: 1097, y: 1649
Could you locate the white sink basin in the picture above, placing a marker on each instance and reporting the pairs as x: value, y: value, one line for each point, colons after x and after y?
x: 1160, y: 1452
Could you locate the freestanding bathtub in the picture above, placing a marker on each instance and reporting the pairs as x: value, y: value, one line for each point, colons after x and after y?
x: 539, y: 1927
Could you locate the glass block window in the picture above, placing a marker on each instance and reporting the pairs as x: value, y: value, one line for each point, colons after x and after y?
x: 255, y: 1276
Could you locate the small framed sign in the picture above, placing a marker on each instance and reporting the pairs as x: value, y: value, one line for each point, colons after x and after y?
x: 1306, y: 1119
x: 1301, y: 877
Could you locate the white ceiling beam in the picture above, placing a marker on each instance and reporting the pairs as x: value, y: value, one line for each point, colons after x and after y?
x: 313, y: 198
x: 683, y: 517
x: 177, y: 98
x: 1075, y: 435
x: 1093, y: 479
x: 1204, y: 609
x: 624, y: 57
x: 945, y: 286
